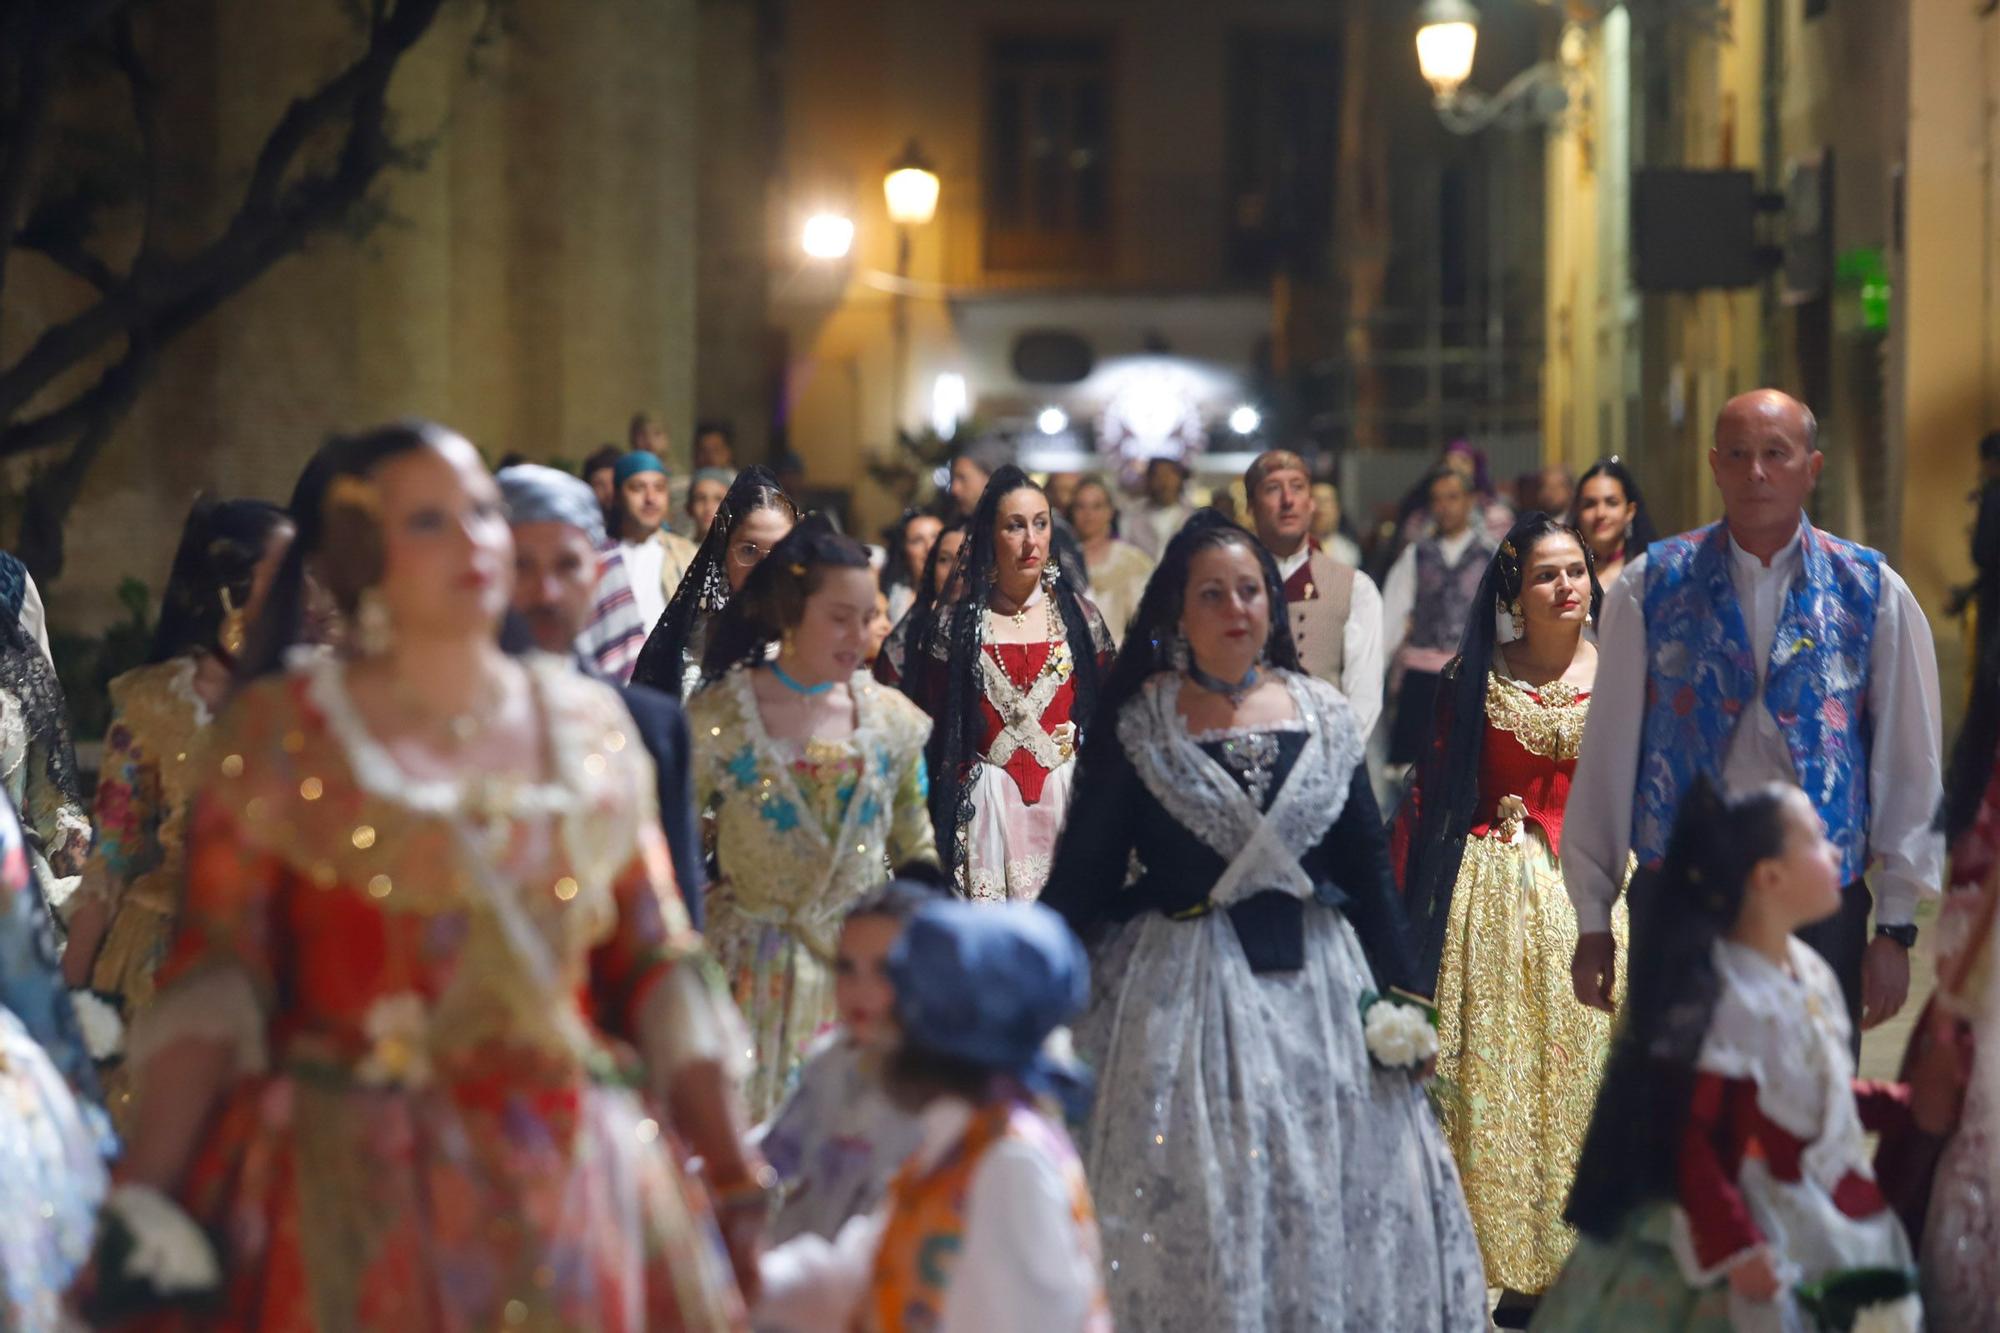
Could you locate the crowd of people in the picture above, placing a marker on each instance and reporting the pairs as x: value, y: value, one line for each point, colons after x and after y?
x: 517, y: 899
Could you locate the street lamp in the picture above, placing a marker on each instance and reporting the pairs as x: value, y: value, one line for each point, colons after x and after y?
x: 910, y: 189
x: 827, y: 236
x: 1447, y: 39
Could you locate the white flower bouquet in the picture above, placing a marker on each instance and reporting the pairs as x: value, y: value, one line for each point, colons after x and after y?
x: 150, y: 1254
x: 1400, y: 1029
x: 103, y: 1029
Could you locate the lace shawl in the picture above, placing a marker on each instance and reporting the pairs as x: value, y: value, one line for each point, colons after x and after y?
x: 1789, y: 1037
x: 1261, y: 848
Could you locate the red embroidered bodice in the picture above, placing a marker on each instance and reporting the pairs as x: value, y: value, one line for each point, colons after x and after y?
x: 1530, y: 752
x: 1023, y: 663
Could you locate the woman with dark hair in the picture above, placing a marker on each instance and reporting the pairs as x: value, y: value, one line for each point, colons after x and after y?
x: 815, y: 776
x: 1118, y: 569
x: 754, y: 518
x: 1611, y: 514
x: 37, y: 758
x: 154, y: 756
x: 909, y: 546
x: 429, y: 942
x: 1255, y: 1167
x: 893, y: 664
x: 1726, y: 1164
x: 1008, y: 669
x: 1518, y: 1057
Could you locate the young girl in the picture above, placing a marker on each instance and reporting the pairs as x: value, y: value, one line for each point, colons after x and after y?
x: 989, y: 1225
x: 838, y: 1138
x: 1726, y: 1163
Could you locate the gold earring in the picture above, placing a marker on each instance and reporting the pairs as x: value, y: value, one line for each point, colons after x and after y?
x: 233, y: 633
x: 1520, y: 618
x: 374, y: 633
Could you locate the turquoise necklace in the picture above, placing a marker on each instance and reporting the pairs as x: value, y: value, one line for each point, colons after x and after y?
x: 790, y: 682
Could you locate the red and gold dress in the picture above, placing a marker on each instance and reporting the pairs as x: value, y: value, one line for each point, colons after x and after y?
x: 1519, y: 1059
x: 434, y: 991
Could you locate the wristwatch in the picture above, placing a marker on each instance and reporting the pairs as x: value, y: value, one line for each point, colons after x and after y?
x: 1905, y: 935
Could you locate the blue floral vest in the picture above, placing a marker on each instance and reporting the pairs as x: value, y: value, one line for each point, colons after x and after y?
x: 1700, y: 676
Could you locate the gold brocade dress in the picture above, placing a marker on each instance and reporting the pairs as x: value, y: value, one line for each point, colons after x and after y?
x: 1519, y: 1058
x: 802, y: 833
x: 152, y: 765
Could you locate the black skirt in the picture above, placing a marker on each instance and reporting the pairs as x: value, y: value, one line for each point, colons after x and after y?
x: 1416, y: 717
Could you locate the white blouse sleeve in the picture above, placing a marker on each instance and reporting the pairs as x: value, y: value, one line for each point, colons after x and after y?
x: 1023, y: 1268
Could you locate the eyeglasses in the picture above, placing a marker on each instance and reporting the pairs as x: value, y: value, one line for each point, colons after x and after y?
x: 747, y: 555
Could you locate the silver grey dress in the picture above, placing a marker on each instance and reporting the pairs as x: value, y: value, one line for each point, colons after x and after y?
x: 1251, y: 1168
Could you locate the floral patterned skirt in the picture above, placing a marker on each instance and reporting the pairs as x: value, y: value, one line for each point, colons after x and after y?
x: 1252, y: 1169
x: 491, y: 1203
x: 784, y: 992
x: 1519, y: 1058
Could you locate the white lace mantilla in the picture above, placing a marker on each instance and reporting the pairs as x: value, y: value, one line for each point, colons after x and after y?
x: 1788, y: 1035
x: 1261, y: 848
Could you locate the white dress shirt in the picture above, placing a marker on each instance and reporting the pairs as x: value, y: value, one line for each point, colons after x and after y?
x: 1905, y: 766
x: 1022, y: 1269
x: 1361, y: 664
x: 1399, y: 590
x: 33, y: 618
x: 645, y: 562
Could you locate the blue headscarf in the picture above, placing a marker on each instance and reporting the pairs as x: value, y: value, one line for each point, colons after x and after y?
x: 988, y: 985
x: 634, y: 463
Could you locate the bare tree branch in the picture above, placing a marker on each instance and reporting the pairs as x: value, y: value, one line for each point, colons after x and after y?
x: 145, y: 95
x: 28, y: 117
x: 69, y: 254
x: 273, y: 219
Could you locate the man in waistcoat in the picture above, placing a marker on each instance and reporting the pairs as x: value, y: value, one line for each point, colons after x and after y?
x: 1426, y: 601
x: 1335, y: 610
x: 1764, y: 650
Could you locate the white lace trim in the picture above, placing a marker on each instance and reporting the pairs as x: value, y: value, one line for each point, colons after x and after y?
x: 1220, y: 734
x: 1261, y: 848
x: 1021, y: 711
x: 376, y: 771
x: 1788, y: 1035
x: 181, y: 685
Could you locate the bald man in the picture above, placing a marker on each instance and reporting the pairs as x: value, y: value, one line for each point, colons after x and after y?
x: 1764, y: 650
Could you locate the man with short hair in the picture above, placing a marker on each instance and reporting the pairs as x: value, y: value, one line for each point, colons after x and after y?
x: 1426, y: 602
x: 715, y: 446
x: 1335, y: 609
x: 557, y: 568
x: 1761, y: 650
x: 1554, y: 490
x: 598, y: 471
x: 646, y: 433
x: 656, y: 556
x: 1163, y: 511
x: 970, y: 469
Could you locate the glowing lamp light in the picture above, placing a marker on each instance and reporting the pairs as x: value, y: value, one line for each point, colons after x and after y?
x: 1447, y: 38
x: 1245, y: 420
x: 911, y: 188
x: 828, y: 236
x: 949, y: 403
x: 1052, y: 421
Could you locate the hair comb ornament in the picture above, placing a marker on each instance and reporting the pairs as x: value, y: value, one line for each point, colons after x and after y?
x: 351, y: 492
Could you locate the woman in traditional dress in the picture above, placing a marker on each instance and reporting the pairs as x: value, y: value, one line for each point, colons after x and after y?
x: 430, y: 919
x: 153, y: 760
x: 1253, y: 1167
x: 1118, y: 569
x: 894, y: 664
x: 1009, y: 672
x: 755, y: 516
x: 910, y: 543
x: 815, y: 775
x: 1519, y: 1058
x: 37, y: 760
x: 53, y: 1137
x: 1611, y: 515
